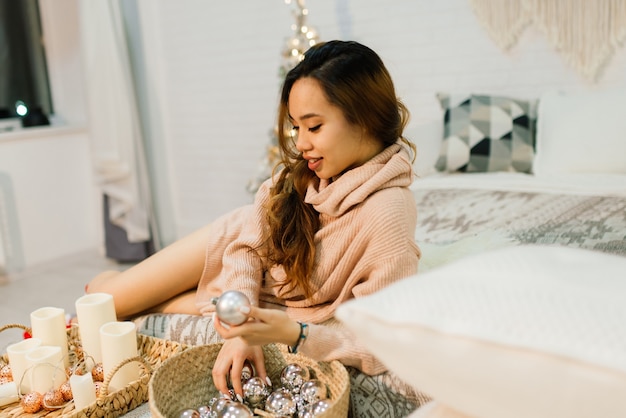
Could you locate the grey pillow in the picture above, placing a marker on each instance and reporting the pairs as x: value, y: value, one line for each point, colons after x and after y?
x: 484, y: 133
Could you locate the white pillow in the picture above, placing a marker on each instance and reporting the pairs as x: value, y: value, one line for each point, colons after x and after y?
x: 581, y: 132
x: 527, y: 331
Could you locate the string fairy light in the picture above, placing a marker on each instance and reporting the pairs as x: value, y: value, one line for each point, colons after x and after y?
x: 304, y: 37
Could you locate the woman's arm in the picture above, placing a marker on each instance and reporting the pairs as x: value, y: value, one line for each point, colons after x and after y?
x: 324, y: 342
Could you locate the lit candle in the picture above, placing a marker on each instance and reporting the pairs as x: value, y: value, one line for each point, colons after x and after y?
x: 48, y: 324
x: 17, y: 359
x: 8, y: 393
x: 93, y: 311
x: 83, y: 390
x: 119, y: 342
x: 46, y: 369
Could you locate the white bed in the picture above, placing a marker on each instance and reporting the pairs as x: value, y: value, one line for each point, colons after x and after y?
x: 518, y: 309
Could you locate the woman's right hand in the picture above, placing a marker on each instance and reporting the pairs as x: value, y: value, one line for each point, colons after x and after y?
x: 230, y: 361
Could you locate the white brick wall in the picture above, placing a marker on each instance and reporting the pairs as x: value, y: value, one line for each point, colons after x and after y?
x: 218, y: 64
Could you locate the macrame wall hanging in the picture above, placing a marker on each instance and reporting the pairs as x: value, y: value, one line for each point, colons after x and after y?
x: 586, y: 33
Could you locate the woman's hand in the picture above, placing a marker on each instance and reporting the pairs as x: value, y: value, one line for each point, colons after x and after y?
x: 230, y: 361
x: 243, y: 342
x: 264, y: 326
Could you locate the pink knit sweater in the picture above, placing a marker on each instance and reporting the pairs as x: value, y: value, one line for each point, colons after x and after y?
x: 365, y: 242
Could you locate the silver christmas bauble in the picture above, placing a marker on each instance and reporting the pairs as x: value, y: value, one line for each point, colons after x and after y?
x: 235, y: 410
x: 218, y: 404
x: 228, y: 307
x: 300, y: 404
x: 255, y: 392
x: 189, y: 413
x: 313, y: 390
x: 204, y: 411
x: 247, y: 371
x: 314, y: 410
x: 319, y: 407
x: 281, y: 403
x: 293, y: 376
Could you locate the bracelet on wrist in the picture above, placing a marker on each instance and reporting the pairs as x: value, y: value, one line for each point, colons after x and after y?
x: 304, y: 333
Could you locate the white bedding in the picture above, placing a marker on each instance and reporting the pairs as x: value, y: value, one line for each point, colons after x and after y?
x: 465, y: 214
x: 591, y: 184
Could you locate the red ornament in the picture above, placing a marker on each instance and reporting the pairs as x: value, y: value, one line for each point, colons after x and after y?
x: 32, y: 402
x: 53, y: 399
x: 66, y: 391
x: 98, y: 373
x: 99, y: 386
x: 6, y: 373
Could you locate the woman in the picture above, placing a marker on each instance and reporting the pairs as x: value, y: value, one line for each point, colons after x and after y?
x: 335, y: 221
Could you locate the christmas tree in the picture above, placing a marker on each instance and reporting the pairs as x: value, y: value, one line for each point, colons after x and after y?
x: 303, y: 37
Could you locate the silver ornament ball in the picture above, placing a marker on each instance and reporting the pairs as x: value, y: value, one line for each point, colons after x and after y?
x: 314, y: 410
x: 293, y: 376
x: 281, y: 403
x: 219, y: 404
x: 300, y: 404
x: 247, y: 371
x: 235, y: 410
x: 228, y: 307
x: 313, y: 390
x: 319, y: 407
x: 189, y: 413
x: 204, y: 411
x: 255, y: 392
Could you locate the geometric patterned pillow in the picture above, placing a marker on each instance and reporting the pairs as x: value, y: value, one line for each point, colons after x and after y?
x: 483, y: 133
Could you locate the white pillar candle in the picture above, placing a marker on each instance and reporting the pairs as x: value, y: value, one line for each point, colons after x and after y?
x: 46, y: 369
x: 93, y: 311
x: 83, y: 390
x: 17, y: 359
x: 8, y: 393
x: 48, y: 324
x: 119, y: 342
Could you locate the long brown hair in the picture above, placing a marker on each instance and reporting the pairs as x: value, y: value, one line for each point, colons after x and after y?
x: 353, y: 78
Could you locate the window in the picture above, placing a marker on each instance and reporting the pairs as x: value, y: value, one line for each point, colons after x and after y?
x: 25, y: 98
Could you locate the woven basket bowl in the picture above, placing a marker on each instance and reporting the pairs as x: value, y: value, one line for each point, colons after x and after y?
x: 185, y: 381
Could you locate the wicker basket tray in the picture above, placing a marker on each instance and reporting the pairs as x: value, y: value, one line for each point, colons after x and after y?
x: 152, y: 353
x: 185, y: 381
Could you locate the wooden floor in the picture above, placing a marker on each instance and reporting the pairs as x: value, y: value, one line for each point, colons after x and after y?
x: 57, y: 284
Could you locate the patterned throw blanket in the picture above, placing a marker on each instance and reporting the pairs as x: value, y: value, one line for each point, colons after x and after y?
x: 467, y: 221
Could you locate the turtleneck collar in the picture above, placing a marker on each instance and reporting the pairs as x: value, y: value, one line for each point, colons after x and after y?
x: 391, y: 168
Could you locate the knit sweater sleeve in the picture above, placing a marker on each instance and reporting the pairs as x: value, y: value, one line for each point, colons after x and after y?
x: 332, y: 340
x: 238, y: 266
